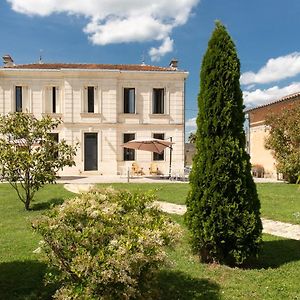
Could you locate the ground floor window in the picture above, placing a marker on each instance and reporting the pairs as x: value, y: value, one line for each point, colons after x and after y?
x: 159, y: 156
x: 128, y: 154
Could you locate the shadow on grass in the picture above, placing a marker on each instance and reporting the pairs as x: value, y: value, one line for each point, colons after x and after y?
x: 24, y: 280
x: 46, y: 205
x: 277, y: 253
x: 180, y: 286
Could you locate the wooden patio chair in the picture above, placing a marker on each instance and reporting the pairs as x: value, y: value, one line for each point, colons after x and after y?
x: 153, y: 170
x: 136, y: 170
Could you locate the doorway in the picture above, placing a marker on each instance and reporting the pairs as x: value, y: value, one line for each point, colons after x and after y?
x: 90, y: 151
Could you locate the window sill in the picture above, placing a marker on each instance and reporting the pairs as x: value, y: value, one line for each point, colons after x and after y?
x: 52, y: 115
x: 90, y: 115
x: 159, y: 115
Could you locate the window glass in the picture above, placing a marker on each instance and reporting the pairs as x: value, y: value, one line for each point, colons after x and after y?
x: 91, y: 99
x: 18, y: 99
x: 129, y: 100
x: 158, y: 101
x: 159, y: 156
x: 129, y: 154
x: 54, y: 99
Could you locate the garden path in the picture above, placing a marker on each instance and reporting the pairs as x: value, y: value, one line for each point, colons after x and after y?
x: 276, y: 228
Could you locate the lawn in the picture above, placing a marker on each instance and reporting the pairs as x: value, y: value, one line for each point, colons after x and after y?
x: 274, y: 276
x: 279, y: 201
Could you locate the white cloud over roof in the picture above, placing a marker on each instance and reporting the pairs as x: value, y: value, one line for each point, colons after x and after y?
x: 263, y: 96
x: 275, y: 69
x: 119, y: 21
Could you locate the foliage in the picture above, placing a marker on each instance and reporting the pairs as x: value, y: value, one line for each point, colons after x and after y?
x: 192, y: 138
x: 284, y: 141
x: 29, y: 156
x: 106, y: 244
x: 222, y: 205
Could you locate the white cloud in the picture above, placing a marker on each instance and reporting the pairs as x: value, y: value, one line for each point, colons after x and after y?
x: 191, y: 122
x: 166, y: 47
x: 264, y: 96
x: 275, y: 69
x: 119, y: 21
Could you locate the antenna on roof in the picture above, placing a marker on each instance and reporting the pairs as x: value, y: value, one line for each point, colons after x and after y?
x: 143, y: 59
x: 40, y: 57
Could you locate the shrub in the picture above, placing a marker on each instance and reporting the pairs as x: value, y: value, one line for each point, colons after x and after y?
x: 222, y: 205
x: 105, y: 244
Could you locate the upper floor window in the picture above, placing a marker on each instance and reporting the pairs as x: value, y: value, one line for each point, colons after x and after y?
x: 128, y: 154
x: 159, y: 156
x: 90, y: 99
x: 51, y: 100
x: 19, y: 99
x: 158, y: 101
x: 129, y: 100
x: 54, y: 100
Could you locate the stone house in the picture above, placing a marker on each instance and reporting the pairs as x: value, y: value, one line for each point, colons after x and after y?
x: 102, y: 106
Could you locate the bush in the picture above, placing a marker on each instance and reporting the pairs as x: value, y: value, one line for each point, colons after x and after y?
x: 105, y: 244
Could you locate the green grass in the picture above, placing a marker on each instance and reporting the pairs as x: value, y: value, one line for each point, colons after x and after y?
x: 274, y: 276
x: 21, y: 274
x: 279, y: 201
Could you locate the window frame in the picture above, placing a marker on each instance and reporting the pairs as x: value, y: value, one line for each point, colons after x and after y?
x: 158, y: 101
x: 127, y: 99
x: 158, y: 156
x: 128, y: 154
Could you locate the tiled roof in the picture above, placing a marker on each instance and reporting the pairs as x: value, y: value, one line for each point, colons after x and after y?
x: 58, y: 66
x: 285, y: 98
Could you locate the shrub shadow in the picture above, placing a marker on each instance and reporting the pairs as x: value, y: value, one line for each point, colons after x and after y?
x: 46, y: 205
x: 277, y: 253
x: 173, y: 285
x: 24, y: 280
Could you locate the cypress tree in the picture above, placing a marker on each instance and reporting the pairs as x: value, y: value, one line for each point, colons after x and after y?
x: 223, y: 209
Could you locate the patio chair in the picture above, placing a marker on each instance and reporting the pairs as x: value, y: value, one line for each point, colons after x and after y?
x: 136, y: 170
x: 153, y: 170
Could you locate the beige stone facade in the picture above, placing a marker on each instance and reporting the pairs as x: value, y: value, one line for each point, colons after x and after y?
x: 104, y: 115
x: 260, y: 156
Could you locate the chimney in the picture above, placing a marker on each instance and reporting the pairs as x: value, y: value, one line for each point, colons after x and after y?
x: 174, y: 64
x: 7, y: 61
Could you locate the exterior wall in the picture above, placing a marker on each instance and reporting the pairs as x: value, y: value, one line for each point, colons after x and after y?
x: 259, y: 132
x: 108, y: 120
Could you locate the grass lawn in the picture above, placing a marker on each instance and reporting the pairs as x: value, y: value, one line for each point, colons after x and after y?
x: 274, y: 276
x: 279, y: 201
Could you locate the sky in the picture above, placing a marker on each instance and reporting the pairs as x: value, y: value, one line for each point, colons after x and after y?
x: 265, y: 32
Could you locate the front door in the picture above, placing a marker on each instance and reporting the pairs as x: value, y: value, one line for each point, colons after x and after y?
x: 90, y: 151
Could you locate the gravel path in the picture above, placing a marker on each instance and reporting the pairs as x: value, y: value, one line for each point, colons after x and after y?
x: 276, y: 228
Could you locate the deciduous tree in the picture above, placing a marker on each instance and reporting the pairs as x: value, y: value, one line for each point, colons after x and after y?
x: 29, y: 156
x: 284, y: 141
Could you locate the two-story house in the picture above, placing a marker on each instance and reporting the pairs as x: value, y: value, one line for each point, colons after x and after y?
x: 102, y: 106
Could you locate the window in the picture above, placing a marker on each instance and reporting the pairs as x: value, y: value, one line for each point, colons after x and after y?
x: 129, y: 154
x: 18, y: 99
x: 129, y: 100
x: 159, y: 156
x: 90, y: 99
x: 53, y: 97
x: 158, y: 101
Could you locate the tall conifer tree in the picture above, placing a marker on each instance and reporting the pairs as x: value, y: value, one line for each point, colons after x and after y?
x: 222, y: 206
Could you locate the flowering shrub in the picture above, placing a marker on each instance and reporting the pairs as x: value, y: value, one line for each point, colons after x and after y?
x: 105, y: 244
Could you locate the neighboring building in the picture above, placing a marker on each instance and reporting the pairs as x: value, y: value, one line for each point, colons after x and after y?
x: 102, y: 106
x: 258, y: 132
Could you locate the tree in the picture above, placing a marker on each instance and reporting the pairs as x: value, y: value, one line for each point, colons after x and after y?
x: 192, y: 138
x: 222, y: 205
x: 284, y: 141
x: 29, y: 155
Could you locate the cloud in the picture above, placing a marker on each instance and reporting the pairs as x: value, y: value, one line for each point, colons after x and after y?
x: 191, y: 122
x: 166, y: 47
x: 275, y: 69
x: 119, y: 21
x: 264, y: 96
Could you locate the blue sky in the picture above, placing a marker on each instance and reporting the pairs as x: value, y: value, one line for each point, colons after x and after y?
x: 266, y: 33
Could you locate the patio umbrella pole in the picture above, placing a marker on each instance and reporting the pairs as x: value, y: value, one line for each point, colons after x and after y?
x: 170, y: 165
